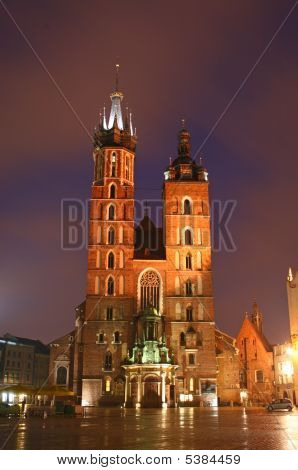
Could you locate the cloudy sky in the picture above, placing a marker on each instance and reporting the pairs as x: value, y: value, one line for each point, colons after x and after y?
x: 178, y: 59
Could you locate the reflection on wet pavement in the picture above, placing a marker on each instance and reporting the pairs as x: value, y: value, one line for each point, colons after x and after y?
x: 182, y: 428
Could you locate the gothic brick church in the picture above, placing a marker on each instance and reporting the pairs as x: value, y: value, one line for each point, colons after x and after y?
x: 145, y: 334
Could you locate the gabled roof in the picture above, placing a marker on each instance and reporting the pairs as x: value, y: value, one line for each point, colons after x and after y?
x: 261, y: 337
x: 63, y: 339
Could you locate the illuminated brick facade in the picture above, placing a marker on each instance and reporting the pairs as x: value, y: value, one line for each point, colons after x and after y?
x: 145, y: 335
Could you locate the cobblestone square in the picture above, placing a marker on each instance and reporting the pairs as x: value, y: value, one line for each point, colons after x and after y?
x: 182, y: 428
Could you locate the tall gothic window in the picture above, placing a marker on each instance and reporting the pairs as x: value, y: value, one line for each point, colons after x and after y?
x: 127, y: 167
x: 182, y: 339
x: 111, y: 260
x: 100, y: 337
x: 61, y: 376
x: 110, y: 313
x: 188, y: 287
x: 116, y: 337
x: 188, y: 237
x: 113, y: 165
x: 112, y: 191
x: 187, y: 207
x: 111, y: 236
x: 150, y: 290
x: 188, y: 261
x: 189, y: 314
x: 108, y: 361
x: 111, y: 213
x: 110, y: 286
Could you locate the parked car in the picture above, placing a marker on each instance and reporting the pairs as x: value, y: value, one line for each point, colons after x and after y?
x: 282, y: 404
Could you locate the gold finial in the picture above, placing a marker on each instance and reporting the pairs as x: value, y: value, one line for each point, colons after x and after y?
x: 183, y: 123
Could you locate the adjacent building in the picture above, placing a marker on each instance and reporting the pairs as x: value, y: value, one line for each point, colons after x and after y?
x: 284, y: 371
x: 24, y: 363
x: 292, y: 290
x: 257, y: 381
x: 61, y: 362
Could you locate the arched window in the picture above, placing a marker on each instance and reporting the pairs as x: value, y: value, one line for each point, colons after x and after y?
x: 182, y: 339
x: 150, y: 290
x: 120, y: 234
x: 97, y: 258
x: 199, y: 255
x: 108, y: 384
x: 109, y: 313
x: 188, y: 263
x: 200, y: 286
x: 178, y: 311
x: 111, y: 212
x: 112, y: 191
x: 188, y: 237
x: 127, y: 167
x: 191, y: 384
x: 121, y: 259
x: 189, y: 316
x: 61, y: 378
x: 121, y: 285
x: 97, y: 285
x: 111, y: 260
x: 108, y: 361
x: 113, y: 165
x: 111, y: 236
x: 100, y: 337
x: 201, y: 312
x: 98, y: 234
x: 187, y: 206
x: 188, y: 287
x: 116, y: 337
x: 111, y: 286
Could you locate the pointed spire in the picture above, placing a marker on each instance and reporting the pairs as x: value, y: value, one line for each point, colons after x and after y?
x: 184, y: 142
x: 115, y: 123
x: 290, y: 275
x: 116, y: 98
x: 126, y: 120
x: 117, y: 77
x: 130, y: 124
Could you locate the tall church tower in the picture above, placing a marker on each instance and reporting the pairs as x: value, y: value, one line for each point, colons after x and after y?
x: 103, y: 320
x: 189, y: 293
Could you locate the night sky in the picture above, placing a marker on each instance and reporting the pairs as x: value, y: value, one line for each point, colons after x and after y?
x: 178, y: 59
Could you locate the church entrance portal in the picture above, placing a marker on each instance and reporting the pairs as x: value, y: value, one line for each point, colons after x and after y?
x: 151, y: 398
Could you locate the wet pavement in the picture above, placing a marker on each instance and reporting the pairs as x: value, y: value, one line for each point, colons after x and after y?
x: 182, y: 428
